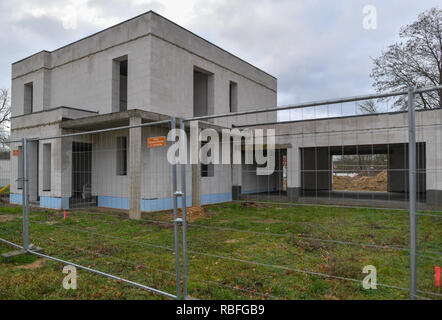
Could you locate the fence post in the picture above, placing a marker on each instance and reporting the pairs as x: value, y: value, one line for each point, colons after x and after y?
x: 25, y: 195
x: 412, y: 189
x: 184, y: 204
x: 176, y: 220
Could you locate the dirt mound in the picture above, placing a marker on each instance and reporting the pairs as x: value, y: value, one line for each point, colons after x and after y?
x: 378, y: 182
x: 194, y: 213
x: 37, y: 264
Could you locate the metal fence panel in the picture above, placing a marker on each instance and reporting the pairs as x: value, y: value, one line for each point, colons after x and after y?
x: 78, y: 205
x: 346, y: 192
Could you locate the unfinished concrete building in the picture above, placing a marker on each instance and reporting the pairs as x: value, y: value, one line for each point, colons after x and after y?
x: 305, y: 150
x: 143, y: 70
x: 148, y: 69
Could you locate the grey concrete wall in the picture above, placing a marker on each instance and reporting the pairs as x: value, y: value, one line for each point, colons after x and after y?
x: 172, y: 85
x: 5, y: 172
x: 32, y: 131
x: 161, y: 60
x: 365, y: 130
x: 156, y: 171
x: 251, y: 182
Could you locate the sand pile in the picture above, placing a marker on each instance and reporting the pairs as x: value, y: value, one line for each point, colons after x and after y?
x: 378, y: 182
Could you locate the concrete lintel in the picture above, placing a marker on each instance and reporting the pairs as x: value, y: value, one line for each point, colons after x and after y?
x: 110, y: 120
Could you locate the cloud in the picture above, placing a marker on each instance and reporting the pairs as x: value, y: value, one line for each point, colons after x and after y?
x: 317, y: 49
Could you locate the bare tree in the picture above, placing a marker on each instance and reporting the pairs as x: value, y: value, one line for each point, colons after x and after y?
x: 5, y: 114
x: 368, y: 107
x: 416, y: 62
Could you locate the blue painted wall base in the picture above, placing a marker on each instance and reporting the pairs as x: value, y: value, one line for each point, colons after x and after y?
x: 122, y: 203
x: 15, y: 198
x: 149, y: 205
x: 54, y: 203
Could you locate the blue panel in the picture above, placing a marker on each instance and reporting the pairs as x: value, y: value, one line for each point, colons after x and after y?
x: 54, y: 203
x: 15, y: 198
x: 113, y: 202
x: 216, y: 198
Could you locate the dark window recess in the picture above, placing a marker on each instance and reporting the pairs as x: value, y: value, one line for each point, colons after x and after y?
x: 121, y: 156
x: 207, y: 170
x: 119, y: 84
x: 233, y: 97
x: 28, y: 101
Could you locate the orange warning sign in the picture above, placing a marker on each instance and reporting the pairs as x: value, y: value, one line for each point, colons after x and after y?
x: 15, y: 153
x: 156, y: 142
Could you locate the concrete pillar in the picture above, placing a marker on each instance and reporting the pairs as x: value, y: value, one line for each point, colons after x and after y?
x: 434, y: 169
x: 135, y: 169
x: 293, y: 173
x: 236, y: 181
x: 196, y: 166
x: 196, y: 185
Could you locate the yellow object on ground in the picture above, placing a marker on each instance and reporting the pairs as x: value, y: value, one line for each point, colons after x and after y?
x: 1, y: 190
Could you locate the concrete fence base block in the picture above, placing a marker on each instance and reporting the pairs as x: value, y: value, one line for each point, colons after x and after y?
x: 12, y: 254
x: 293, y: 194
x: 434, y: 198
x: 236, y: 192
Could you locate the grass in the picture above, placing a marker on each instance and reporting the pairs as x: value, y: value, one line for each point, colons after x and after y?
x: 235, y: 250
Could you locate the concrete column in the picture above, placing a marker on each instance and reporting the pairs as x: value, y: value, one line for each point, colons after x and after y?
x: 433, y: 169
x: 135, y: 169
x: 293, y: 173
x: 236, y: 181
x: 196, y: 185
x: 196, y: 167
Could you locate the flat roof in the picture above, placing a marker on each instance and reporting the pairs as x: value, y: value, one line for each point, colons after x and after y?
x: 138, y: 16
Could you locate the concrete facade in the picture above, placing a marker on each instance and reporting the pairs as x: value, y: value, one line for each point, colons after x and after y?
x: 80, y: 87
x: 310, y: 144
x: 161, y: 59
x: 149, y: 69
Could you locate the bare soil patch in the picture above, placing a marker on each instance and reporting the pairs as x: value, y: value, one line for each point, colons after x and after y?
x: 7, y: 218
x: 192, y: 214
x: 37, y: 264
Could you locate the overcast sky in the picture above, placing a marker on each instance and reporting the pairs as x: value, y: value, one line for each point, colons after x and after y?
x: 316, y: 48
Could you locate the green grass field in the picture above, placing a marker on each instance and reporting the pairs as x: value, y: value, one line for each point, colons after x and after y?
x: 236, y: 251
